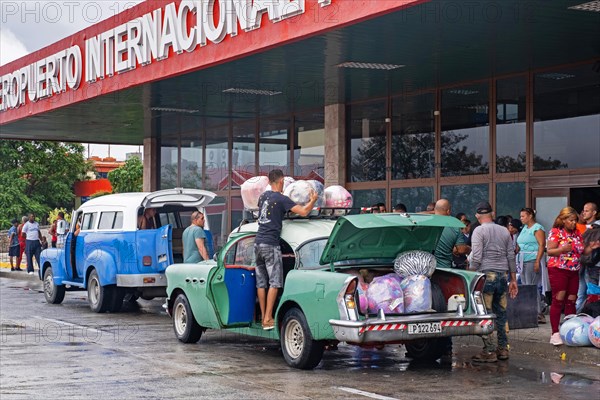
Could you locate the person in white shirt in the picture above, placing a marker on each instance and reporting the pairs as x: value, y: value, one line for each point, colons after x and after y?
x: 33, y: 248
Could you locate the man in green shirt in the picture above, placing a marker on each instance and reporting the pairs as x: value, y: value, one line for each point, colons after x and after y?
x: 194, y: 249
x: 452, y: 240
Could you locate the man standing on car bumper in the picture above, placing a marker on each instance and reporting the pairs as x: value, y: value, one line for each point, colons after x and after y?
x: 493, y: 254
x: 269, y: 265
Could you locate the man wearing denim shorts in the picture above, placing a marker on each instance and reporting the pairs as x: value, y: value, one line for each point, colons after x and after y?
x: 269, y: 269
x: 493, y: 254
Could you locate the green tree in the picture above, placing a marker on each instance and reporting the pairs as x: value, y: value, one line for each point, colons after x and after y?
x: 127, y: 178
x: 38, y: 176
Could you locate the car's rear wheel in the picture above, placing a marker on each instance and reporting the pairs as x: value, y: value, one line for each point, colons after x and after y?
x: 53, y: 293
x: 100, y: 298
x: 185, y: 326
x: 300, y: 350
x: 431, y: 349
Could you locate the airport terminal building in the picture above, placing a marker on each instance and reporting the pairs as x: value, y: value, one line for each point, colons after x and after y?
x: 397, y: 100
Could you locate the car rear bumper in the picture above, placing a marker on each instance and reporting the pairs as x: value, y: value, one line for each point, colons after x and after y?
x: 396, y: 329
x: 141, y: 280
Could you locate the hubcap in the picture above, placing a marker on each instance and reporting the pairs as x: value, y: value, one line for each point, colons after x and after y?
x: 294, y: 338
x: 94, y: 291
x: 180, y: 318
x: 49, y: 284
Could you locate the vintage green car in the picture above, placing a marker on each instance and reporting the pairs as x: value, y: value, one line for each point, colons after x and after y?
x: 318, y: 304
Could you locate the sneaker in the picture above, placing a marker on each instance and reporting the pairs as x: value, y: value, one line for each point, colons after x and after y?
x: 485, y: 357
x: 31, y: 273
x: 555, y: 339
x: 12, y: 269
x: 502, y: 353
x: 18, y: 269
x: 541, y: 319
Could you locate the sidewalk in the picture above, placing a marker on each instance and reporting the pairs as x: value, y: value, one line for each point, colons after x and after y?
x: 532, y: 342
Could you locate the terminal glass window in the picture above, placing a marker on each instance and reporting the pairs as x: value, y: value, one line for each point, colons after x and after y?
x: 243, y: 158
x: 511, y: 102
x: 169, y: 156
x: 567, y: 119
x: 413, y: 137
x: 367, y: 198
x: 191, y: 158
x: 216, y: 216
x: 217, y: 161
x: 510, y: 198
x: 367, y: 130
x: 309, y: 149
x: 415, y: 199
x: 274, y: 145
x: 465, y: 130
x: 464, y: 198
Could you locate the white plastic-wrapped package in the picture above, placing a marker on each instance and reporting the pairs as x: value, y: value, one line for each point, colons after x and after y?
x: 299, y: 192
x: 337, y: 197
x: 320, y: 189
x: 385, y: 293
x: 417, y: 293
x: 574, y: 330
x: 252, y: 189
x: 415, y: 262
x: 286, y: 182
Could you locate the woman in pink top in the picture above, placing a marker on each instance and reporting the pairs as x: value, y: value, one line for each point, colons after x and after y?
x: 565, y: 246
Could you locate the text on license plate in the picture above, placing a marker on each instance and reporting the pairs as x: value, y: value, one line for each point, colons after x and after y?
x: 428, y: 327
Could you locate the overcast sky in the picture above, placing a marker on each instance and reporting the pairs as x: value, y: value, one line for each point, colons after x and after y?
x: 27, y: 26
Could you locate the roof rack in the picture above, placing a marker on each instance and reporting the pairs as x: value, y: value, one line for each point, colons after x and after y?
x: 252, y: 215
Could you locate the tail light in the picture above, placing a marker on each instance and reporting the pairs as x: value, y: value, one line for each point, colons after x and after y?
x: 477, y: 295
x: 347, y: 301
x: 147, y: 261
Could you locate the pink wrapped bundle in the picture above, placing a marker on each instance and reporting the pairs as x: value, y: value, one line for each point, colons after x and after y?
x: 299, y: 192
x: 252, y: 189
x: 337, y: 197
x: 320, y: 189
x: 385, y: 293
x: 417, y: 293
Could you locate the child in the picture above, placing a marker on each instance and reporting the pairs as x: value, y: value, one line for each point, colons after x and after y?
x: 44, y: 242
x: 14, y: 247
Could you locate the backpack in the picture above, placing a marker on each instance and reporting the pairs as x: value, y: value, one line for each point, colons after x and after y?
x: 61, y: 227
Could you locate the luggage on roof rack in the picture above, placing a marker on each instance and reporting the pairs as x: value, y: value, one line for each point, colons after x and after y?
x: 251, y: 215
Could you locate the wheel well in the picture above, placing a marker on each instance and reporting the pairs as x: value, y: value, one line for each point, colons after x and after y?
x: 176, y: 292
x: 45, y: 267
x: 88, y: 271
x: 285, y: 307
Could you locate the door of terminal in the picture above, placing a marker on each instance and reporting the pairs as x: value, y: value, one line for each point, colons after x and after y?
x: 547, y: 203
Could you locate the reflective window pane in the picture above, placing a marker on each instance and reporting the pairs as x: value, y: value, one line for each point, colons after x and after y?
x: 465, y: 130
x: 274, y: 146
x: 216, y: 215
x: 566, y: 119
x: 510, y: 198
x: 237, y: 211
x: 464, y: 198
x: 243, y: 161
x: 415, y: 199
x: 309, y: 149
x: 169, y: 168
x: 511, y: 102
x: 367, y: 198
x: 413, y: 137
x: 191, y: 160
x: 366, y: 128
x: 217, y: 164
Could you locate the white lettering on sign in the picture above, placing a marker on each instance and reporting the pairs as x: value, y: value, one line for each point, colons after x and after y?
x: 151, y: 37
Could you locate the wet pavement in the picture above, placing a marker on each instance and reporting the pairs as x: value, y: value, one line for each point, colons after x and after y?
x: 66, y: 351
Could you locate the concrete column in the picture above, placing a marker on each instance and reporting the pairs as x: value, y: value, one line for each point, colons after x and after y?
x: 335, y: 144
x: 151, y: 167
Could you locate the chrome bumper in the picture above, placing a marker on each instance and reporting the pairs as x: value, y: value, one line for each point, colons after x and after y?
x: 141, y: 280
x: 395, y: 329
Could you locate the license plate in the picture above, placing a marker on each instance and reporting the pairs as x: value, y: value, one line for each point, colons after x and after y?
x: 424, y: 328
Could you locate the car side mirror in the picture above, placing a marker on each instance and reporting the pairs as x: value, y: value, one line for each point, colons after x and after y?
x: 215, y: 257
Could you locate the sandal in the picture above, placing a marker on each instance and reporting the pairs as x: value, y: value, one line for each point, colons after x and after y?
x: 267, y: 326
